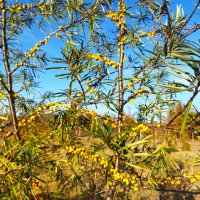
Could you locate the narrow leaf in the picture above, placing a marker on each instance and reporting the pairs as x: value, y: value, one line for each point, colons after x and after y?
x: 183, y: 124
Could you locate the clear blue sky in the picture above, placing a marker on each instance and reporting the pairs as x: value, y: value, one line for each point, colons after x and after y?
x: 48, y: 81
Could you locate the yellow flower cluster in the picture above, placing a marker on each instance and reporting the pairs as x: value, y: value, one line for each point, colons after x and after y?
x: 122, y: 5
x: 110, y: 121
x: 122, y: 21
x: 128, y: 85
x: 8, y: 134
x: 95, y: 158
x: 151, y: 34
x: 15, y: 95
x: 83, y: 153
x: 36, y: 186
x: 52, y: 106
x: 114, y: 125
x: 91, y: 113
x: 92, y: 91
x: 23, y: 122
x: 32, y: 51
x: 140, y: 92
x: 96, y: 57
x: 3, y: 11
x: 50, y: 136
x: 170, y: 180
x: 133, y: 132
x: 143, y: 34
x: 58, y: 36
x: 122, y: 37
x: 158, y: 125
x: 120, y: 136
x: 125, y: 178
x: 20, y: 7
x: 1, y: 6
x: 36, y: 47
x: 132, y: 81
x: 192, y: 178
x: 37, y: 113
x: 178, y: 180
x: 100, y: 58
x: 118, y: 17
x: 140, y: 128
x: 113, y: 64
x: 45, y: 41
x: 113, y: 15
x: 2, y: 95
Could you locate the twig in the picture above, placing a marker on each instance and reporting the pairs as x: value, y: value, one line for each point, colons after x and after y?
x: 191, y: 15
x: 191, y: 99
x: 179, y: 191
x: 9, y: 86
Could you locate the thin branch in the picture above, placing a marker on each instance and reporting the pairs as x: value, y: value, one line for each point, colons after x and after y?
x: 4, y: 85
x: 62, y: 28
x: 191, y: 15
x: 9, y: 86
x: 178, y: 191
x: 191, y: 99
x: 169, y: 19
x: 191, y: 30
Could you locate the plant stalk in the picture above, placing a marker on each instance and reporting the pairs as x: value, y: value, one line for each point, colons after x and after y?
x: 10, y: 96
x: 120, y: 94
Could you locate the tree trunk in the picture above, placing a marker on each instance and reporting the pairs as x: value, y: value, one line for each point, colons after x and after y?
x: 9, y: 85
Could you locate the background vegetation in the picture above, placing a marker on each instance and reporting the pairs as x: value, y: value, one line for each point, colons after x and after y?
x: 114, y: 55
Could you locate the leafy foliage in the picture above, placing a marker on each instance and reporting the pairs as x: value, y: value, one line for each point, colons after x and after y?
x: 131, y: 54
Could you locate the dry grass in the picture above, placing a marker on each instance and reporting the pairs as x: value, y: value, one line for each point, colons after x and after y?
x: 183, y: 158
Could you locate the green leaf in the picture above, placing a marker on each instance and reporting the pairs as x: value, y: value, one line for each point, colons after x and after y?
x: 184, y: 58
x: 46, y: 19
x: 183, y: 124
x: 170, y: 150
x: 140, y: 154
x: 136, y: 166
x: 57, y: 68
x: 178, y: 12
x: 75, y: 160
x: 173, y: 87
x: 108, y: 168
x: 143, y: 141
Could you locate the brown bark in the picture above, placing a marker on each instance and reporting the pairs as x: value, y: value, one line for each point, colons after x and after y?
x: 112, y: 188
x: 9, y: 85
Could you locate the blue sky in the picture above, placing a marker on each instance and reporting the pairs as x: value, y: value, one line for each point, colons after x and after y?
x: 48, y: 81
